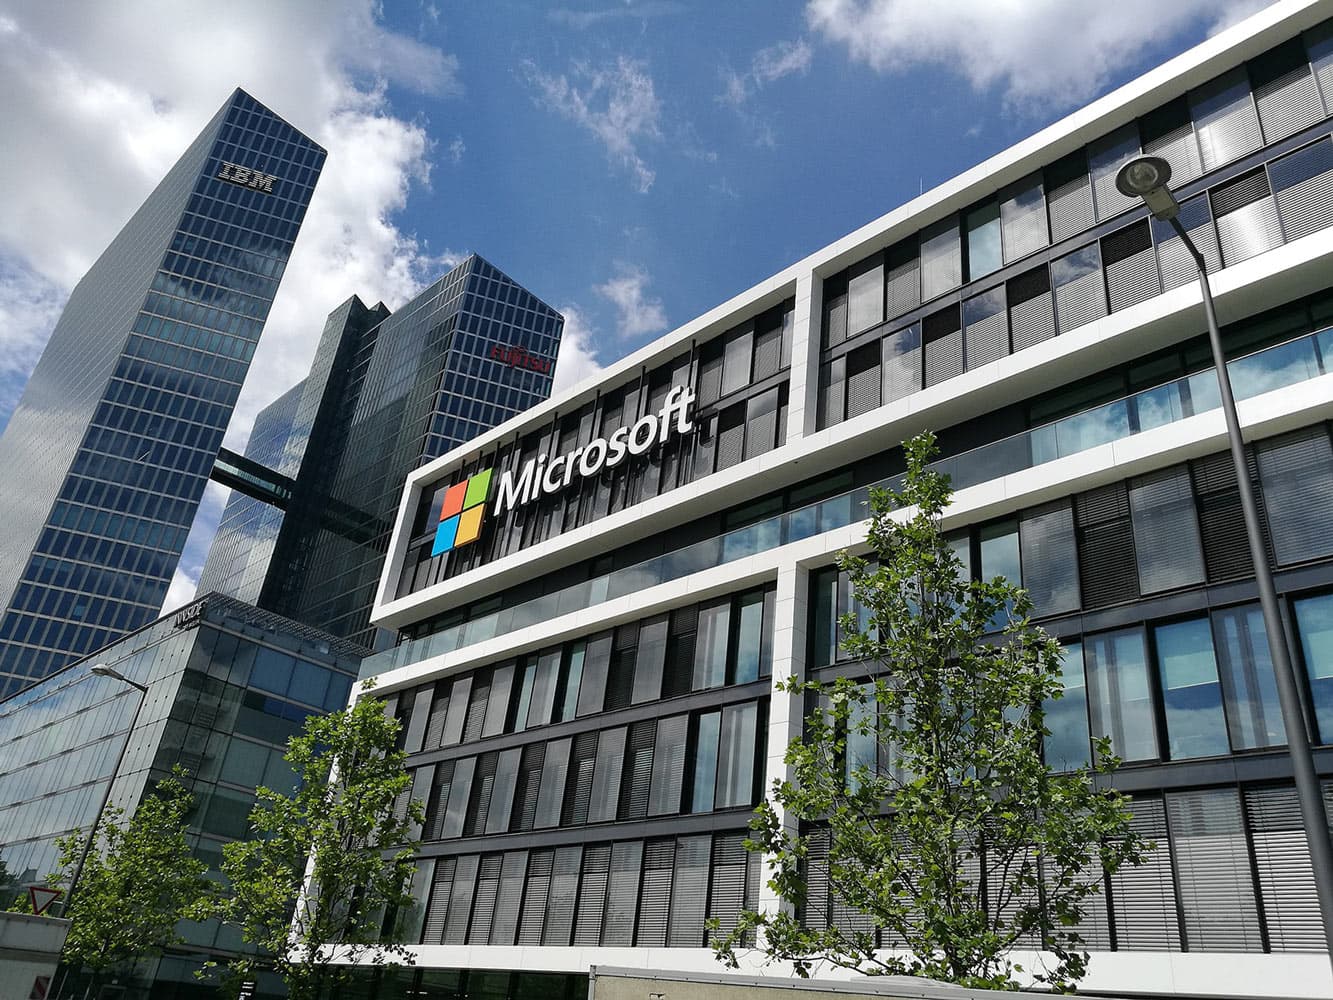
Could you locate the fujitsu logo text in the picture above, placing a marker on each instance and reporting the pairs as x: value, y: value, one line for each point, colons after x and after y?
x: 542, y: 475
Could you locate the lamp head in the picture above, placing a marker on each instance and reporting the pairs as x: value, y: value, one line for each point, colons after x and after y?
x: 1147, y: 177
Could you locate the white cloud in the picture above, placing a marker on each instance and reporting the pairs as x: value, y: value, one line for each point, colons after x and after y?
x: 616, y: 103
x: 457, y: 149
x: 105, y: 103
x: 578, y: 358
x: 767, y: 66
x: 637, y: 314
x: 1040, y: 53
x: 583, y: 19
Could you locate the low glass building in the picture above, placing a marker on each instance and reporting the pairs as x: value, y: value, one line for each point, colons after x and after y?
x: 589, y: 689
x: 228, y: 684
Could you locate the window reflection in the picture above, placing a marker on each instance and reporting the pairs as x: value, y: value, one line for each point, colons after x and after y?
x: 1120, y: 695
x: 1191, y: 692
x: 1068, y: 746
x: 1314, y: 621
x: 1248, y: 682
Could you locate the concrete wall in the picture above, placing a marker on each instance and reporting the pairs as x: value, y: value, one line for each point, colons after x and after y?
x: 29, y: 948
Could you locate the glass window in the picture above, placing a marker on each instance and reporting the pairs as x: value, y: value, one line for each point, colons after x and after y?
x: 606, y: 776
x: 1050, y: 559
x: 710, y: 654
x: 708, y: 726
x: 1068, y: 746
x: 749, y: 637
x: 1166, y: 530
x: 1120, y: 695
x: 1000, y: 558
x: 736, y: 360
x: 573, y: 678
x: 736, y: 753
x: 1195, y: 723
x: 983, y: 240
x: 668, y: 763
x: 651, y: 660
x: 596, y: 663
x: 1248, y: 684
x: 862, y: 747
x: 1314, y: 621
x: 543, y: 688
x: 551, y: 793
x: 824, y: 617
x: 865, y: 294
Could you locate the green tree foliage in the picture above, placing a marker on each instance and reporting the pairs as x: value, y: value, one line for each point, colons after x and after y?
x: 946, y: 830
x: 138, y: 882
x: 342, y: 818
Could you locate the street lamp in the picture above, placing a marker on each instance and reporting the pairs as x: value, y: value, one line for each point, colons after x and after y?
x: 104, y: 670
x: 1147, y: 177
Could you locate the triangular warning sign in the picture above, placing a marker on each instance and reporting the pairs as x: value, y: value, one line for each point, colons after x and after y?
x: 42, y: 898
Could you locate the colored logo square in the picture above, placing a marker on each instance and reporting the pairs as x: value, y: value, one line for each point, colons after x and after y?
x: 461, y: 513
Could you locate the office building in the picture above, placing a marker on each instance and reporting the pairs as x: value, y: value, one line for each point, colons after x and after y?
x: 227, y: 685
x: 106, y: 456
x: 387, y: 392
x: 588, y: 687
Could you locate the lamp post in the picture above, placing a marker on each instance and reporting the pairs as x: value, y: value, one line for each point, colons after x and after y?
x: 103, y: 670
x: 1147, y: 177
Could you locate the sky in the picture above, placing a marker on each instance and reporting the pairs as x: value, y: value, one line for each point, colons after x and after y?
x: 632, y: 162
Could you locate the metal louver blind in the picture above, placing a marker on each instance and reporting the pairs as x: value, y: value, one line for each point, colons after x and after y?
x: 1285, y: 91
x: 668, y: 766
x: 900, y: 362
x: 1212, y: 863
x: 1095, y: 925
x: 439, y: 709
x: 1173, y: 260
x: 832, y: 391
x: 814, y: 914
x: 460, y: 792
x: 1166, y: 530
x: 710, y: 376
x: 689, y: 892
x: 767, y: 355
x: 730, y: 436
x: 1303, y: 187
x: 1069, y: 197
x: 986, y: 328
x: 655, y: 899
x: 480, y: 803
x: 1131, y: 266
x: 761, y: 418
x: 863, y: 380
x: 1105, y: 157
x: 1107, y: 570
x: 1080, y: 296
x: 497, y: 702
x: 943, y: 338
x: 592, y: 894
x: 1143, y: 896
x: 534, y: 897
x: 726, y: 900
x: 529, y: 781
x: 1282, y: 859
x: 1225, y: 119
x: 578, y: 785
x: 903, y: 281
x: 1168, y: 132
x: 439, y: 800
x: 865, y: 294
x: 561, y: 895
x: 1023, y: 226
x: 835, y: 330
x: 1226, y: 551
x: 606, y: 775
x: 552, y: 791
x: 438, y: 907
x: 1046, y: 540
x: 459, y: 694
x: 1246, y: 215
x: 460, y: 900
x: 502, y: 791
x: 1031, y: 310
x: 1296, y: 471
x: 476, y: 710
x: 638, y: 775
x: 622, y: 894
x: 941, y: 258
x: 505, y: 924
x: 1319, y: 44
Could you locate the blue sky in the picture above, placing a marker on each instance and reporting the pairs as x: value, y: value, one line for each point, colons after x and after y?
x: 633, y: 162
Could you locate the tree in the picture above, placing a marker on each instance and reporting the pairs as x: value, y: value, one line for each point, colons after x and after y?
x: 945, y: 830
x: 342, y: 820
x: 137, y: 883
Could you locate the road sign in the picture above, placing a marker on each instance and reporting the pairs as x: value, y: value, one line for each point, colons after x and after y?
x: 42, y: 898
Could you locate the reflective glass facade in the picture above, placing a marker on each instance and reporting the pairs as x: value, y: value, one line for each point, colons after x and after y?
x: 386, y: 394
x: 106, y: 456
x: 227, y: 685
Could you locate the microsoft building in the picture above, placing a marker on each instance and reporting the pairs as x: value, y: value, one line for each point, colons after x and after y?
x: 595, y: 601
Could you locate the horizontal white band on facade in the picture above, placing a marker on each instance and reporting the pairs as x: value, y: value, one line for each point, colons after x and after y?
x: 1269, y: 279
x: 1263, y: 416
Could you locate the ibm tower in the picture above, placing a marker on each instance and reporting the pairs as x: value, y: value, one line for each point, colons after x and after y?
x: 105, y: 458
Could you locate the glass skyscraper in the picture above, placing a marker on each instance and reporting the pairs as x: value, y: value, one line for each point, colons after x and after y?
x: 386, y: 394
x: 105, y: 458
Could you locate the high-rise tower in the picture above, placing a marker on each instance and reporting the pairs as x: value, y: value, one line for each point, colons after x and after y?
x: 105, y: 458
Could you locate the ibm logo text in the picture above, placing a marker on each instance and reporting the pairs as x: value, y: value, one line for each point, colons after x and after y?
x: 246, y: 177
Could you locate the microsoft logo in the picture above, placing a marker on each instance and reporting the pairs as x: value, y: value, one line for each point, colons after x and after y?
x: 460, y: 517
